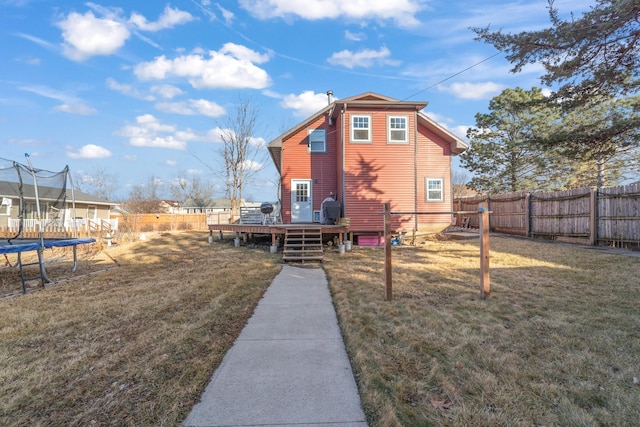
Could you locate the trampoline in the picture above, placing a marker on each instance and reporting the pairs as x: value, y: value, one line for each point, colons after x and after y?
x: 40, y: 197
x: 15, y: 246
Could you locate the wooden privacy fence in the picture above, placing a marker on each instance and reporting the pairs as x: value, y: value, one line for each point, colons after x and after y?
x: 163, y: 222
x: 609, y: 216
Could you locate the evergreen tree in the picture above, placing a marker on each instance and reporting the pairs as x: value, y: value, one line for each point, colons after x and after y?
x: 502, y: 154
x: 592, y: 58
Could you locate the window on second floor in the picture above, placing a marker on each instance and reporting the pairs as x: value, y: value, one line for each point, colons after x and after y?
x: 317, y: 140
x: 435, y: 189
x: 360, y: 128
x: 397, y: 129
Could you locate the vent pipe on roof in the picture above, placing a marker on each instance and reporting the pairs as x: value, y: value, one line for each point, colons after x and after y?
x: 330, y: 96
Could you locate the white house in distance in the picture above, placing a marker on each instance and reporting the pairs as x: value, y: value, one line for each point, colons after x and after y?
x: 88, y: 211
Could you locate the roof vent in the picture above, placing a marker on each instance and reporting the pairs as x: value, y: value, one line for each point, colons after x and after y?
x: 330, y: 96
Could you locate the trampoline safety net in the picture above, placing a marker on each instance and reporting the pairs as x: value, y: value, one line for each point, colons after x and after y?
x: 32, y: 199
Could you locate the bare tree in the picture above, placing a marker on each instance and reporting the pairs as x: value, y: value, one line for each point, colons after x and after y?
x: 195, y: 191
x: 99, y: 183
x: 144, y: 198
x: 459, y: 181
x: 243, y: 154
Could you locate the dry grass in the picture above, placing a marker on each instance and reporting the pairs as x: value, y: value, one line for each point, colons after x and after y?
x: 557, y: 342
x: 134, y: 345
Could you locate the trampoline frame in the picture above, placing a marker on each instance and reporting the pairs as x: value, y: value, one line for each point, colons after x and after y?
x: 18, y: 244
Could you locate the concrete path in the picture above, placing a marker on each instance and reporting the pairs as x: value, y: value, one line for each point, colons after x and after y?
x: 288, y: 367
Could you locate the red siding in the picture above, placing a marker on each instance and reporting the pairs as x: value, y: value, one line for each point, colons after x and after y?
x: 435, y: 162
x: 374, y: 173
x: 298, y: 163
x: 378, y: 173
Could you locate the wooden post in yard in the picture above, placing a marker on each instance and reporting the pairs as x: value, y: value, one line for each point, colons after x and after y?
x: 485, y: 282
x: 387, y: 252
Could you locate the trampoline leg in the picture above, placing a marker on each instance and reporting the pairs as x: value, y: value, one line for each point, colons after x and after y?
x: 75, y: 260
x: 24, y: 286
x: 43, y: 273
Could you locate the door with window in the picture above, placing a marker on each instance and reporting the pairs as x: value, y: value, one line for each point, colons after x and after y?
x: 301, y: 209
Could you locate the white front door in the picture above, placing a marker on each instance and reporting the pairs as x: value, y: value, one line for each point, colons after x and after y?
x: 301, y: 209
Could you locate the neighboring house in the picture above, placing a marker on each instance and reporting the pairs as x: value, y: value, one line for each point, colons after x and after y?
x: 365, y: 151
x: 212, y: 205
x: 88, y: 211
x: 169, y: 206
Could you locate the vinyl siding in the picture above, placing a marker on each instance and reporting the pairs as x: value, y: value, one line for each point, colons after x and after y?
x: 378, y: 173
x: 298, y: 163
x: 435, y: 162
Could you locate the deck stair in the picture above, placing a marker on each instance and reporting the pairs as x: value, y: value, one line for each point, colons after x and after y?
x: 302, y: 244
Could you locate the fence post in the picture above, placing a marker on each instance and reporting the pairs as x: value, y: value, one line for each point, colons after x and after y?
x: 593, y: 220
x: 527, y: 215
x: 485, y: 282
x: 387, y: 252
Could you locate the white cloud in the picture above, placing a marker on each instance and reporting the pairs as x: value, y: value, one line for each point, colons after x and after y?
x: 250, y: 165
x: 150, y: 132
x: 171, y: 163
x: 461, y: 131
x: 258, y: 142
x: 89, y: 151
x: 402, y: 12
x: 192, y: 107
x: 36, y: 40
x: 80, y: 109
x: 468, y: 90
x: 306, y: 103
x: 170, y: 18
x: 166, y: 91
x: 363, y: 58
x: 85, y: 36
x: 151, y: 122
x: 128, y: 90
x: 230, y: 67
x: 355, y: 37
x: 70, y: 104
x: 194, y: 172
x: 226, y: 14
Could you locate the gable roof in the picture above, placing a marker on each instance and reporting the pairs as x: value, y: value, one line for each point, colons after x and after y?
x: 368, y: 99
x: 10, y: 190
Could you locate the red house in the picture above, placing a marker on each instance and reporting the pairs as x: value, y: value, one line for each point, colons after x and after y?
x: 365, y: 151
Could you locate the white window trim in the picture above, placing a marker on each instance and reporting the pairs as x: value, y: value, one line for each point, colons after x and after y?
x: 370, y: 129
x: 5, y: 207
x: 406, y: 130
x: 95, y: 211
x: 426, y: 189
x: 324, y: 142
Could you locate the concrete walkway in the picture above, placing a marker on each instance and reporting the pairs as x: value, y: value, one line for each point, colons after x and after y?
x: 288, y: 367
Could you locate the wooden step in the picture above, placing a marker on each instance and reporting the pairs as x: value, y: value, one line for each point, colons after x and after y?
x: 302, y: 244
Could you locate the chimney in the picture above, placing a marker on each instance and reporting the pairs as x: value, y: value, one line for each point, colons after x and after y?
x: 330, y: 96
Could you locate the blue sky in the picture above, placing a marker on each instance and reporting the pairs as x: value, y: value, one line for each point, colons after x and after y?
x: 140, y: 89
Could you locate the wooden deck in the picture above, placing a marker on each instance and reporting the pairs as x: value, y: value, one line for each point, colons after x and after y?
x: 277, y: 229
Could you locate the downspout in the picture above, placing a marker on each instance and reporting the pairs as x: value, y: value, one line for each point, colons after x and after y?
x: 415, y: 169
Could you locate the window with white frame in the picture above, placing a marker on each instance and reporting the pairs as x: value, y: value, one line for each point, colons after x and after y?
x: 317, y: 140
x: 5, y: 207
x: 361, y: 128
x: 397, y: 129
x: 435, y: 189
